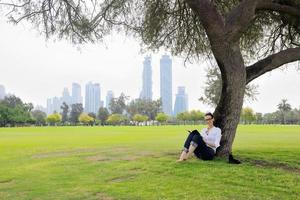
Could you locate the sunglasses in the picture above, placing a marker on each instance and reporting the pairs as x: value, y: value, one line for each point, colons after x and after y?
x: 208, y: 119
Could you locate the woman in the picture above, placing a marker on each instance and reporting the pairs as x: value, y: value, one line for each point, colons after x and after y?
x: 203, y: 144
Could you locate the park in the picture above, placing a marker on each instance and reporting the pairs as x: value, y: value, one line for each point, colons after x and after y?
x: 139, y: 163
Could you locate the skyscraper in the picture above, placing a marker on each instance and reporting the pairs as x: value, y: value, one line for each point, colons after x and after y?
x: 146, y: 92
x: 56, y: 104
x: 92, y: 97
x: 109, y: 96
x: 76, y: 93
x: 66, y: 97
x: 166, y: 84
x: 181, y: 101
x: 2, y: 92
x: 101, y: 105
x: 49, y: 106
x: 97, y: 97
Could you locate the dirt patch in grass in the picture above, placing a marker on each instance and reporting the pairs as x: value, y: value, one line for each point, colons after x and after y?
x: 273, y: 164
x: 119, y: 155
x: 122, y: 178
x: 99, y: 158
x: 64, y: 153
x: 103, y: 196
x: 75, y: 152
x: 6, y: 181
x: 172, y: 153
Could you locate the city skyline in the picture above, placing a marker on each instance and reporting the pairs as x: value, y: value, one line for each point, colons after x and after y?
x: 91, y: 103
x: 93, y: 92
x: 34, y: 69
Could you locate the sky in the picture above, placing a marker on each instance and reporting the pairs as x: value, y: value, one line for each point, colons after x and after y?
x: 35, y: 69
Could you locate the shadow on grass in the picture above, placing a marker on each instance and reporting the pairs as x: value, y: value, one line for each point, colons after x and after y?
x: 128, y: 154
x: 245, y: 160
x: 271, y: 164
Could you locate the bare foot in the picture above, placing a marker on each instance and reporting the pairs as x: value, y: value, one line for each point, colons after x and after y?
x: 180, y: 160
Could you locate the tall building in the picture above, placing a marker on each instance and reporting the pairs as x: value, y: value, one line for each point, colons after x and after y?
x: 2, y: 92
x: 146, y: 92
x: 56, y: 104
x: 101, y: 105
x: 49, y: 106
x: 97, y: 97
x: 166, y: 84
x: 92, y: 97
x: 66, y: 97
x: 76, y: 93
x: 109, y: 96
x: 181, y: 101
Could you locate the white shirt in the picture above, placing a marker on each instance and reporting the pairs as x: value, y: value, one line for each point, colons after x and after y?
x: 212, y: 136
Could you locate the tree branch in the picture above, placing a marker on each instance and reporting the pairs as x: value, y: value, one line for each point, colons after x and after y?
x: 210, y: 18
x: 272, y: 62
x: 16, y: 5
x: 239, y: 19
x: 271, y: 6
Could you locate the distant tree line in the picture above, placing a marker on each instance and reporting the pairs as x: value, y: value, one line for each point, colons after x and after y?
x: 284, y: 114
x: 14, y: 112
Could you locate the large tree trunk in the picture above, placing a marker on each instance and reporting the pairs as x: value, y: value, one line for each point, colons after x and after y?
x: 228, y: 111
x: 224, y: 34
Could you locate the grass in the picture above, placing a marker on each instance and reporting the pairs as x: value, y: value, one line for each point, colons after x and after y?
x: 131, y: 163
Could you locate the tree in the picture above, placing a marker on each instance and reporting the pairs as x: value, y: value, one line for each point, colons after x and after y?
x: 248, y: 115
x: 245, y: 38
x: 140, y: 118
x: 144, y: 107
x: 118, y: 105
x: 14, y: 112
x: 283, y: 108
x: 4, y: 114
x: 196, y: 115
x: 53, y: 119
x: 213, y: 88
x: 12, y: 101
x: 115, y: 119
x: 76, y: 110
x: 39, y: 116
x: 103, y: 115
x: 93, y: 115
x: 259, y: 118
x: 161, y: 117
x: 86, y: 119
x: 291, y: 117
x: 65, y: 111
x: 183, y: 116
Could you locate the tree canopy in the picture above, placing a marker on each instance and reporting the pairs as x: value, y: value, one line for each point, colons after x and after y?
x: 260, y: 25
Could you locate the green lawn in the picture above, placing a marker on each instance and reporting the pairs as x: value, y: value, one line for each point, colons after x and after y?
x: 139, y: 163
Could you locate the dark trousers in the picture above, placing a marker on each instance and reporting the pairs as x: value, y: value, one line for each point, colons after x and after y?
x: 202, y: 151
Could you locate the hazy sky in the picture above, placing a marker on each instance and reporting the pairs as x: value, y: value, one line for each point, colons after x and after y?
x: 35, y: 70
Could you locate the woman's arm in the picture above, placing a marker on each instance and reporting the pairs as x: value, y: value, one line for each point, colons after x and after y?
x: 209, y: 143
x: 215, y: 142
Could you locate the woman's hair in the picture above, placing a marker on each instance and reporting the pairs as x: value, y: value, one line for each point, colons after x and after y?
x: 209, y: 114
